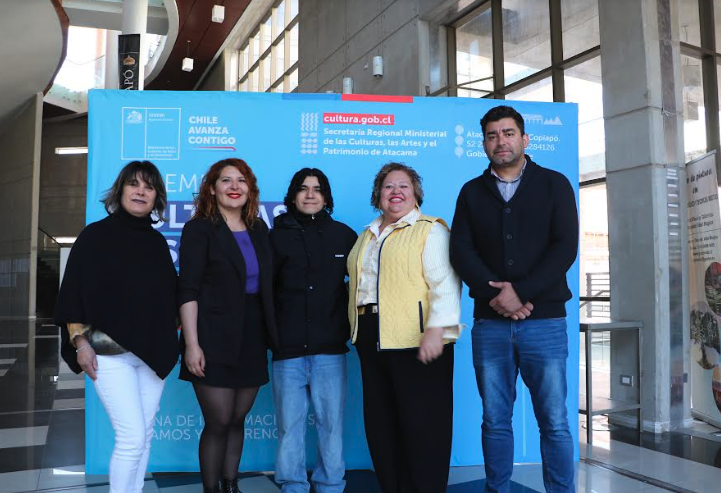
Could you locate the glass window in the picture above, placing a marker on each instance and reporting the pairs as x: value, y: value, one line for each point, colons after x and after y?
x: 266, y: 64
x: 583, y: 86
x: 538, y: 91
x: 293, y: 80
x: 293, y: 45
x: 526, y: 38
x: 594, y: 265
x: 267, y: 34
x: 255, y: 43
x: 279, y: 55
x: 579, y: 21
x: 279, y: 19
x: 253, y: 81
x: 243, y: 68
x: 270, y: 51
x: 688, y: 20
x: 474, y: 53
x: 694, y: 114
x: 468, y: 93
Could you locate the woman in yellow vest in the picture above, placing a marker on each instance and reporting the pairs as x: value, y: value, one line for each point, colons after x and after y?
x: 404, y: 313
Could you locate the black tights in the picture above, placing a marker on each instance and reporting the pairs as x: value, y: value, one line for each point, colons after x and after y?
x: 221, y: 443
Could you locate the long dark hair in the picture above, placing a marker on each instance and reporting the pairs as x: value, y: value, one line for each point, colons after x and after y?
x: 146, y: 171
x: 297, y: 182
x: 205, y: 202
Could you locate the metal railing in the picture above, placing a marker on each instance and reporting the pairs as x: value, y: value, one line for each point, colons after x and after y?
x: 597, y: 298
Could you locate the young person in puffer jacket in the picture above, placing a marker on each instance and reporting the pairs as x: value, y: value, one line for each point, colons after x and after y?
x: 310, y: 250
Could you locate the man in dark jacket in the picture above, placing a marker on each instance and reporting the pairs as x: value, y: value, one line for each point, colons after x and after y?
x: 311, y: 300
x: 514, y: 237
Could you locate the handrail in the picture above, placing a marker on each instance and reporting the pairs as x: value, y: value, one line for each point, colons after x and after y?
x: 49, y: 236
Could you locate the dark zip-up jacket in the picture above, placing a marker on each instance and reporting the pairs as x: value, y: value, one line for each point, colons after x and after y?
x: 311, y: 298
x: 530, y: 241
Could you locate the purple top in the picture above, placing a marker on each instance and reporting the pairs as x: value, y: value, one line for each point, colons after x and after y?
x: 251, y: 261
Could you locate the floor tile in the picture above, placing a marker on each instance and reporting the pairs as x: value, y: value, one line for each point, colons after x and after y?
x: 171, y: 480
x: 598, y: 480
x: 63, y: 477
x: 258, y: 484
x: 71, y: 384
x: 24, y: 420
x: 477, y: 486
x: 70, y: 393
x: 21, y: 458
x: 186, y: 488
x: 88, y: 489
x: 663, y: 467
x: 66, y: 427
x: 23, y: 437
x: 693, y: 445
x: 465, y: 474
x: 69, y: 404
x: 12, y: 482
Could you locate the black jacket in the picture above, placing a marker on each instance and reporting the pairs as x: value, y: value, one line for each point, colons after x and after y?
x: 212, y: 272
x: 120, y: 279
x: 530, y: 241
x: 310, y: 256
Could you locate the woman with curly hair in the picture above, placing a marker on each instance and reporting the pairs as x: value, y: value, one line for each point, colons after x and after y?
x: 227, y: 314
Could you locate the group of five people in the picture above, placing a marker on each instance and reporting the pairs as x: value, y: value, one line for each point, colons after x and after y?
x: 243, y: 289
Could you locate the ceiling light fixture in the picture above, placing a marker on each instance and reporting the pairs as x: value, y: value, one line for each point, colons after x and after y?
x: 71, y: 150
x: 218, y: 14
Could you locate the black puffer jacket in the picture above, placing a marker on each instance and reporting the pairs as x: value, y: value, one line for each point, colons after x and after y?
x: 311, y: 298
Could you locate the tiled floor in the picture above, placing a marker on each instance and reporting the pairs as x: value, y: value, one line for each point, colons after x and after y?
x: 42, y: 424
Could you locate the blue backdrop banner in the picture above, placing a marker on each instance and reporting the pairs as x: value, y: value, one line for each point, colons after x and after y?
x: 349, y: 137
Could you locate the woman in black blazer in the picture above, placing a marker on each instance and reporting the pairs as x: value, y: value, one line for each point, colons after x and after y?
x: 226, y: 309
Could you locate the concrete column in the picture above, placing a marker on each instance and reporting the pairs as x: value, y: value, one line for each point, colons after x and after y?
x: 642, y: 89
x: 111, y: 59
x: 135, y: 21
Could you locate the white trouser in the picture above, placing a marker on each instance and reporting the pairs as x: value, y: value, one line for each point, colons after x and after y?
x: 130, y: 392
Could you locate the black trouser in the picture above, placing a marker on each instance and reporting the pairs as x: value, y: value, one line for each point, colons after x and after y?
x: 408, y: 411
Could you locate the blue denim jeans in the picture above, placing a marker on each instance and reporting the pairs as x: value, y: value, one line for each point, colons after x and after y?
x: 538, y: 349
x: 320, y: 379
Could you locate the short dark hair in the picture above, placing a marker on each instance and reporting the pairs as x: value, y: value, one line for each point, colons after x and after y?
x: 297, y: 182
x: 500, y: 112
x: 387, y: 169
x: 146, y: 171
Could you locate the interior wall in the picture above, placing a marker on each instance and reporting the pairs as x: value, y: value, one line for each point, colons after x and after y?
x: 63, y: 178
x: 19, y: 199
x: 339, y: 38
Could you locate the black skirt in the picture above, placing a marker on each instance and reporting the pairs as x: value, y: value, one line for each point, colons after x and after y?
x: 252, y: 367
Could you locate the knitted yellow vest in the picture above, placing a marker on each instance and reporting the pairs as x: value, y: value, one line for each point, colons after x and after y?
x: 402, y: 289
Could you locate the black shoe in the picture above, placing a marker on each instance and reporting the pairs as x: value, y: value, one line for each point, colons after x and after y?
x: 229, y: 486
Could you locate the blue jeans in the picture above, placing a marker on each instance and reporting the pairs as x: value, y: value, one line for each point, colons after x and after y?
x: 538, y: 349
x: 322, y: 379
